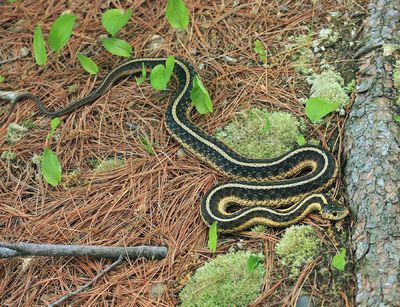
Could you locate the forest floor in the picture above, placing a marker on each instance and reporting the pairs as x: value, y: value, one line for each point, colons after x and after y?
x: 154, y: 199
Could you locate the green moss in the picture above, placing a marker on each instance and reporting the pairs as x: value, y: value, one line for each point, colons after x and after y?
x: 259, y: 134
x: 15, y: 133
x: 224, y: 281
x: 259, y: 229
x: 329, y: 85
x: 8, y: 155
x: 298, y: 246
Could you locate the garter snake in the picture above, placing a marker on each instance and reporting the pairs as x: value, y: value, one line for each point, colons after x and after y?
x: 264, y: 191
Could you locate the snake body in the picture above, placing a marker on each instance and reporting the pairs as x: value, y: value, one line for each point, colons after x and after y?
x: 260, y: 187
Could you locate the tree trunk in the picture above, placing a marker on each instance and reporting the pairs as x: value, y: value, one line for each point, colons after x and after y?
x: 372, y: 172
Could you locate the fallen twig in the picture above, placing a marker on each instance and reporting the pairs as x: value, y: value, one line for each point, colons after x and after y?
x: 8, y: 250
x: 88, y: 284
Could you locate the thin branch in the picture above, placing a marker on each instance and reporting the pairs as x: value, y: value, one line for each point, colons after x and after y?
x: 8, y: 250
x: 88, y: 284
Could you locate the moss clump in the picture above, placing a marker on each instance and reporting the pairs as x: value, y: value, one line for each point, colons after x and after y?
x: 224, y: 281
x: 8, y: 155
x: 15, y: 133
x: 259, y: 134
x: 329, y: 85
x: 259, y: 229
x: 298, y: 246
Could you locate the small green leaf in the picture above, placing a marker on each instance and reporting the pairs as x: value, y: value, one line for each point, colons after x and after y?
x: 339, y: 260
x: 55, y: 122
x: 114, y: 20
x: 39, y: 47
x: 259, y: 49
x: 117, y: 46
x: 158, y: 77
x: 61, y: 31
x: 11, y: 1
x: 88, y: 64
x: 169, y: 66
x: 397, y: 118
x: 177, y: 14
x: 317, y: 107
x: 212, y: 237
x: 301, y: 140
x: 51, y: 167
x: 2, y: 79
x: 252, y: 262
x: 147, y: 145
x: 140, y: 80
x: 200, y: 97
x: 267, y: 125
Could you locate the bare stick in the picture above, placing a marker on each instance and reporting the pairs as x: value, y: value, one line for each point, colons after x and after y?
x: 88, y: 284
x: 8, y: 250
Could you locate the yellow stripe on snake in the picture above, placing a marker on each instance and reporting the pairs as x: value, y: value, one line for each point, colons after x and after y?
x: 264, y: 191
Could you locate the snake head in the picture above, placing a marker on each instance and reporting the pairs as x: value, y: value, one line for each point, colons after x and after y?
x: 334, y: 210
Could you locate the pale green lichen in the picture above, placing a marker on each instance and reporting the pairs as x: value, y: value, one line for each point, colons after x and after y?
x: 108, y: 164
x: 299, y: 245
x: 260, y: 134
x: 328, y: 35
x: 396, y: 75
x: 8, y: 156
x: 303, y: 55
x: 396, y: 80
x: 224, y: 281
x: 15, y: 133
x: 329, y: 85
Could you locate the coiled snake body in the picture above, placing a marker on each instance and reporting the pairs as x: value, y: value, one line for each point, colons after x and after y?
x: 264, y: 191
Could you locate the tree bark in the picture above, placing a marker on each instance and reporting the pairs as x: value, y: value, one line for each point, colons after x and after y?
x: 372, y: 172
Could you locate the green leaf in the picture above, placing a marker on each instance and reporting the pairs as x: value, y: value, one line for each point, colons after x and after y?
x: 11, y: 1
x: 259, y: 49
x: 177, y: 14
x: 158, y: 77
x: 2, y: 79
x: 61, y: 31
x: 51, y: 167
x: 339, y: 260
x: 39, y: 47
x: 147, y: 145
x: 267, y: 125
x: 140, y: 80
x: 397, y: 118
x: 55, y: 122
x: 88, y: 64
x: 117, y: 46
x: 200, y: 97
x: 114, y: 20
x: 169, y: 66
x: 318, y: 107
x: 301, y: 140
x: 212, y: 237
x: 252, y: 262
